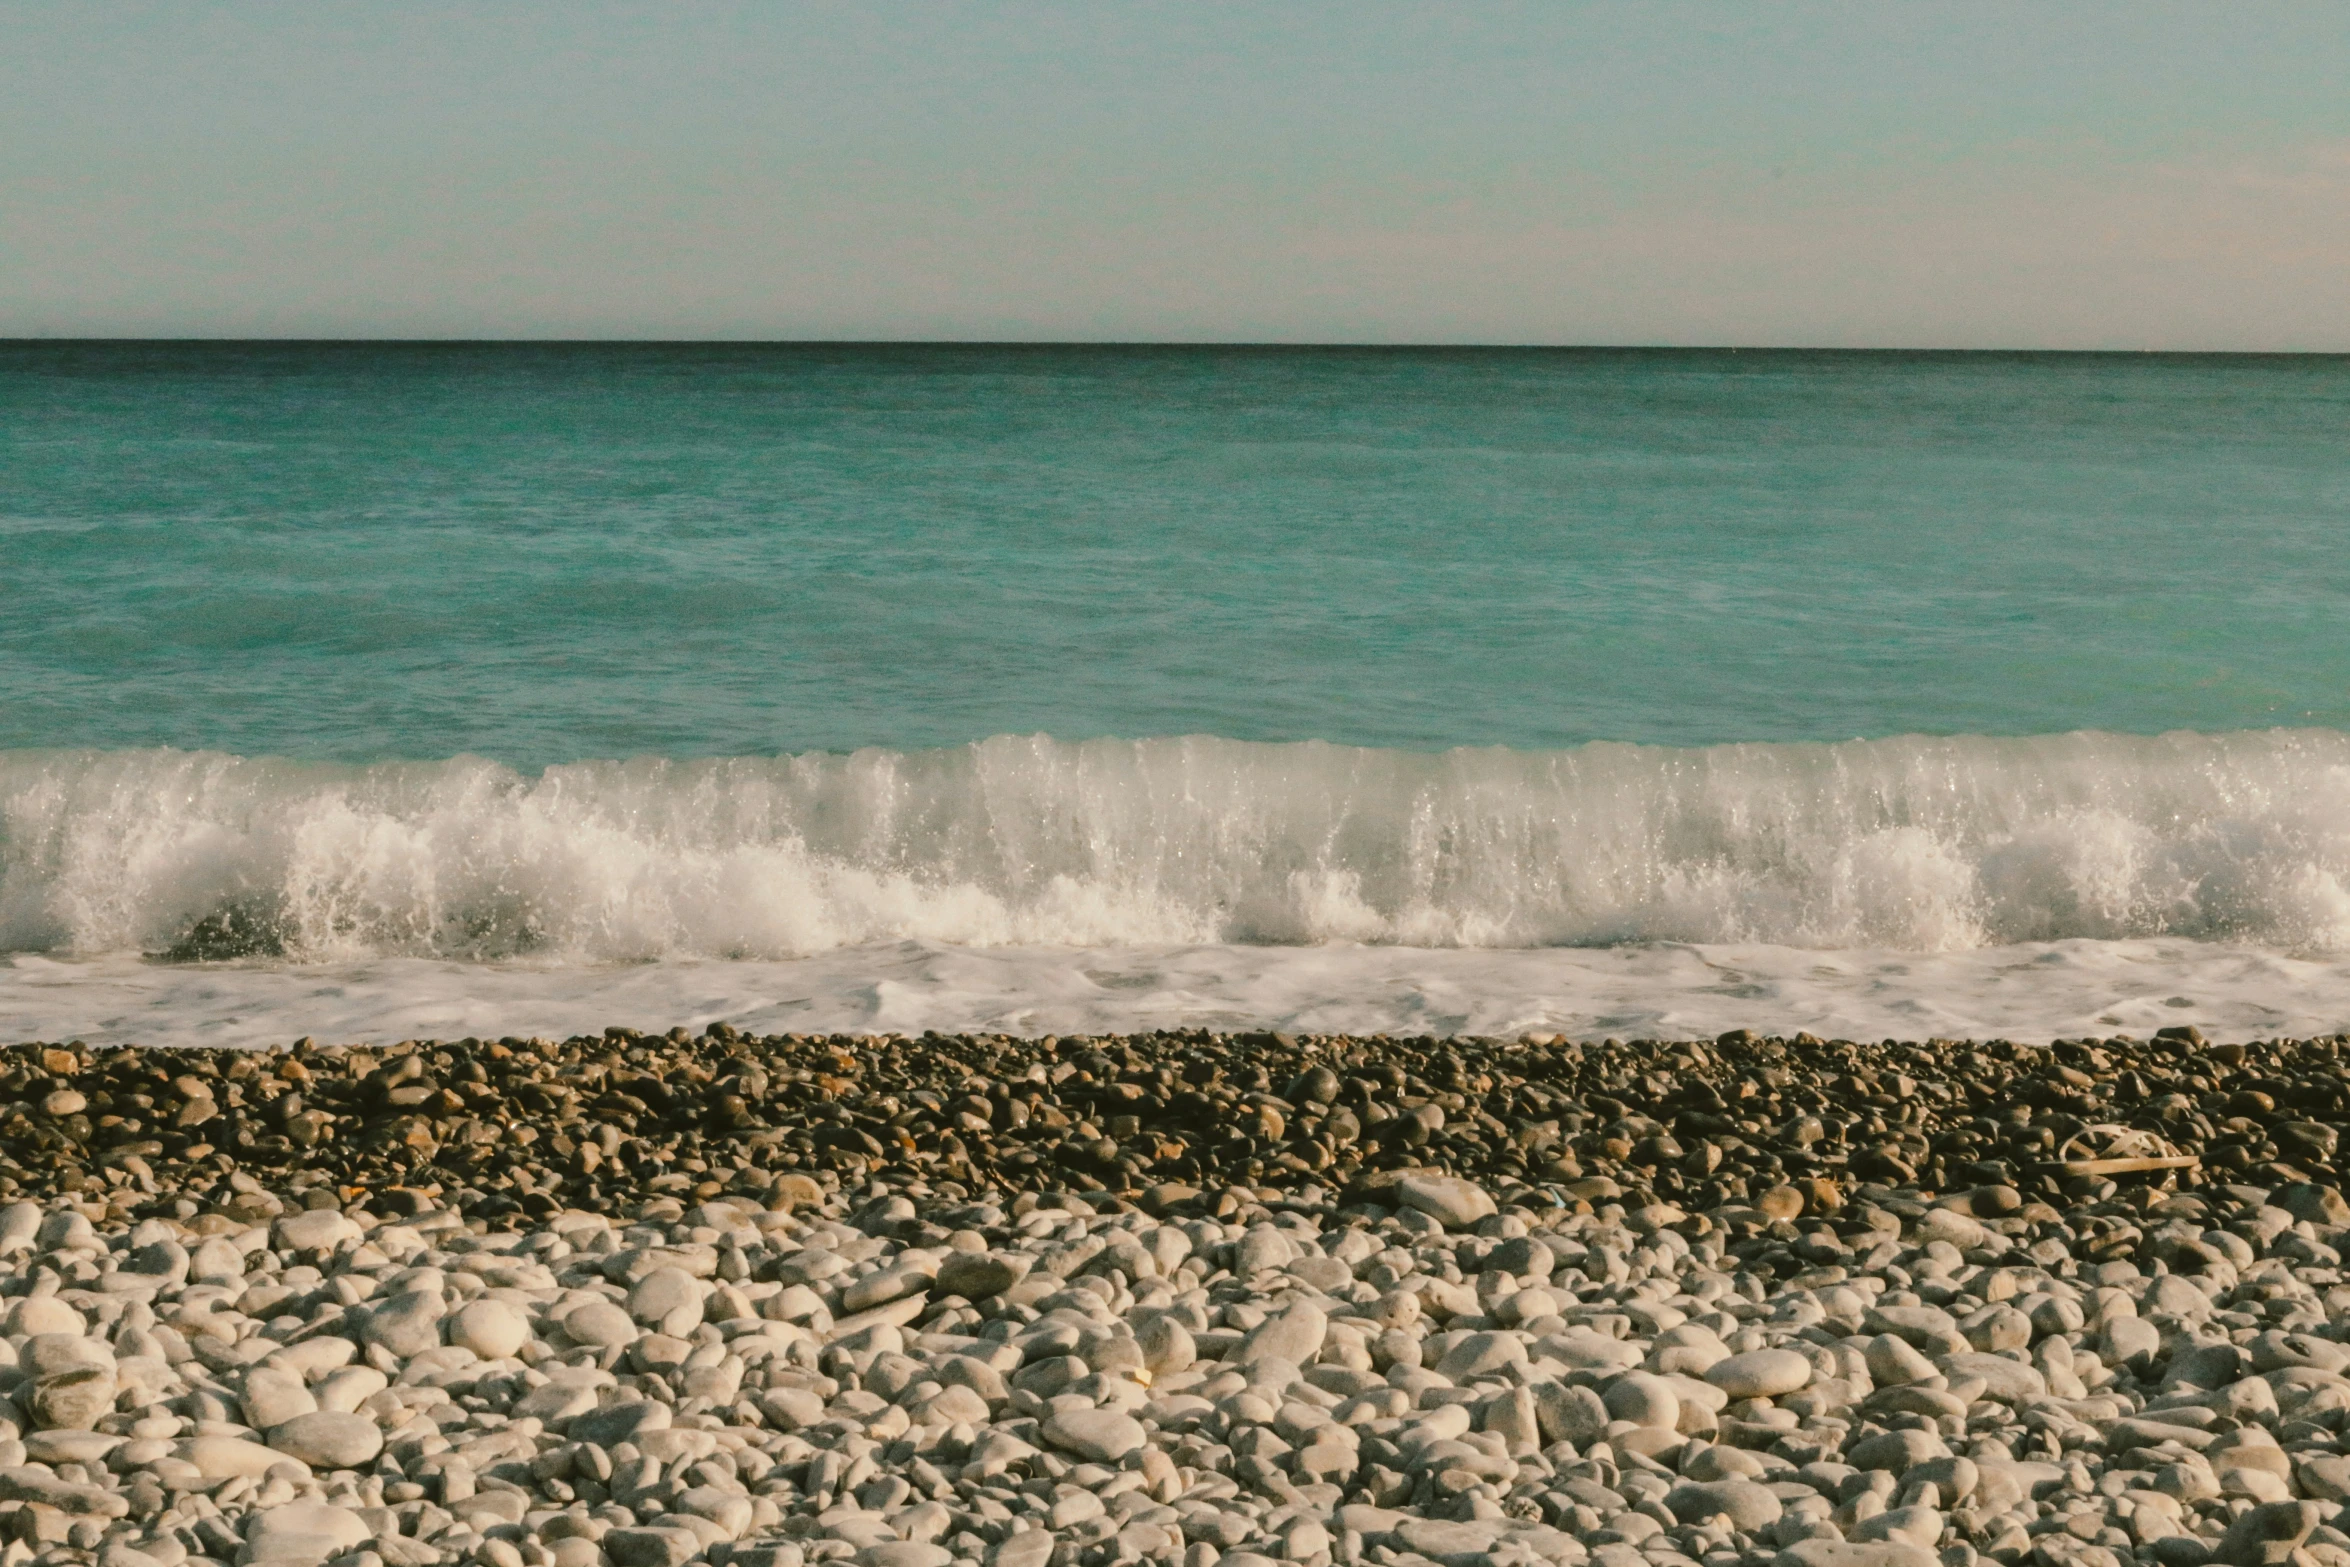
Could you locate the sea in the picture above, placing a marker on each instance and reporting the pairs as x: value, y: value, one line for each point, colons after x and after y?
x: 369, y: 691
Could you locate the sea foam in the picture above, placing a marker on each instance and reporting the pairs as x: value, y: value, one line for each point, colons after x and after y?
x: 1907, y: 844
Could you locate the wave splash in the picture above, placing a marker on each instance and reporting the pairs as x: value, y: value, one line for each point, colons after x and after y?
x: 1912, y: 843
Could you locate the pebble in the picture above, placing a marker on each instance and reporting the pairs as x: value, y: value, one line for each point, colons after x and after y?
x: 1102, y: 1435
x: 981, y: 1275
x: 341, y: 1525
x: 405, y: 1324
x: 1748, y: 1506
x: 1840, y: 1553
x: 1294, y: 1334
x: 600, y: 1324
x: 1190, y: 1300
x: 319, y: 1230
x: 492, y: 1329
x: 1761, y: 1373
x: 229, y: 1457
x: 657, y: 1547
x: 1448, y: 1200
x: 1639, y: 1399
x: 329, y: 1439
x: 621, y: 1422
x: 667, y: 1300
x: 272, y: 1396
x: 73, y: 1399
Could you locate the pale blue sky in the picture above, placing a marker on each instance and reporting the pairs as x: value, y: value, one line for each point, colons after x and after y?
x: 1971, y: 174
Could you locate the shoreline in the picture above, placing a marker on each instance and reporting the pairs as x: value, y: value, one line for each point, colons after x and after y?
x: 2036, y: 991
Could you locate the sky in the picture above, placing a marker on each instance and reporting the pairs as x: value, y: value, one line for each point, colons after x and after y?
x: 1881, y: 173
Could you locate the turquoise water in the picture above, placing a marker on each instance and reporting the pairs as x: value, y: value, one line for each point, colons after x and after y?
x: 541, y: 554
x: 703, y: 656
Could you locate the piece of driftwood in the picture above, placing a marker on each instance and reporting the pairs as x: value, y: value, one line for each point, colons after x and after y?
x: 2126, y: 1166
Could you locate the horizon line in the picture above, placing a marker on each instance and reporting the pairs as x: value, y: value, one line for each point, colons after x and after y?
x: 1234, y: 344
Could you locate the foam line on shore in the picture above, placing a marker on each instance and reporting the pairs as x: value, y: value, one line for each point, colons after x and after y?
x: 2029, y: 992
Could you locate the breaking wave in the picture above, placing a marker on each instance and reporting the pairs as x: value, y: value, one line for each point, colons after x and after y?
x: 1911, y: 843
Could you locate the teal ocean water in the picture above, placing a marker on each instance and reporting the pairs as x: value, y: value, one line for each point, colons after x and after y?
x: 540, y: 554
x: 565, y: 657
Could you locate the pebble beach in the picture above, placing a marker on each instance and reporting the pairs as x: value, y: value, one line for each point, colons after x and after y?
x: 636, y: 1300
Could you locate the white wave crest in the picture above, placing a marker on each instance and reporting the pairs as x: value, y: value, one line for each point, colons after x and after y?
x: 1912, y: 843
